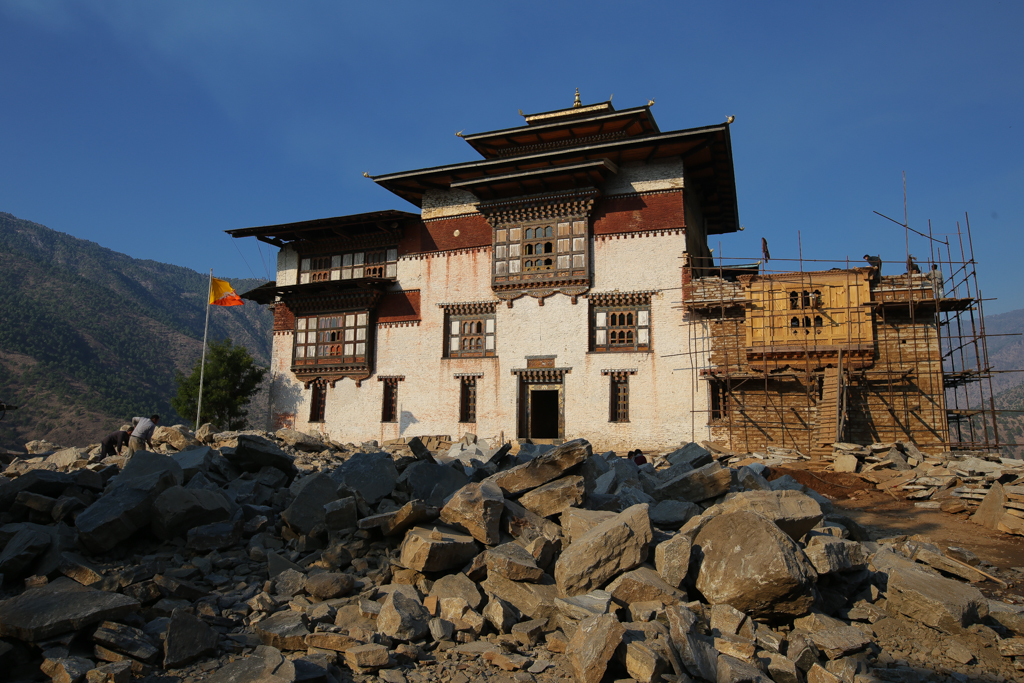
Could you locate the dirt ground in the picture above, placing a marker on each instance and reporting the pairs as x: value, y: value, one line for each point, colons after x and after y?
x: 884, y: 514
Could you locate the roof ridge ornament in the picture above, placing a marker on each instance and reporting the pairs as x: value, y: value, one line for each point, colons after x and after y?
x: 577, y: 104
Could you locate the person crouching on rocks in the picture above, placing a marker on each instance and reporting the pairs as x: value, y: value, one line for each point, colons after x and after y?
x: 142, y: 435
x: 113, y: 443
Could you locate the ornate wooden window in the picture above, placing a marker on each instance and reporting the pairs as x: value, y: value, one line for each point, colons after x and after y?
x: 620, y: 322
x: 389, y: 403
x: 334, y: 338
x: 556, y: 247
x: 351, y: 265
x: 470, y: 329
x: 318, y: 401
x: 467, y: 399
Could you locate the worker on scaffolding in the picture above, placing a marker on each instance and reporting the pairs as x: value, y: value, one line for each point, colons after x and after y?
x: 875, y: 262
x: 936, y: 277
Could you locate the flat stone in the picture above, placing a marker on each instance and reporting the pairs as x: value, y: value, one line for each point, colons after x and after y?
x: 749, y: 563
x: 60, y: 606
x: 364, y: 658
x: 644, y: 585
x: 592, y: 647
x: 555, y: 496
x: 476, y: 509
x: 940, y: 603
x: 693, y: 485
x: 514, y: 562
x: 127, y: 640
x: 285, y: 630
x: 290, y: 582
x: 401, y: 520
x: 188, y: 639
x: 781, y: 669
x: 326, y: 640
x: 614, y: 546
x: 437, y: 549
x: 264, y: 665
x: 66, y: 669
x: 194, y: 461
x: 307, y: 508
x: 582, y: 607
x: 542, y: 469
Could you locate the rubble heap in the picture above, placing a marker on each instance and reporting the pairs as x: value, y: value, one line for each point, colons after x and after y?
x: 985, y: 484
x: 238, y: 557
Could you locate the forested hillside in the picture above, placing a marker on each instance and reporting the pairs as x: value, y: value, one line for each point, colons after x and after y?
x: 90, y: 337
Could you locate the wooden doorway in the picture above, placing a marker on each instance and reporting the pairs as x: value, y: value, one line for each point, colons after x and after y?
x: 541, y: 411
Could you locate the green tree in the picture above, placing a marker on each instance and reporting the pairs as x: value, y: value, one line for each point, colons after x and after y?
x: 231, y: 379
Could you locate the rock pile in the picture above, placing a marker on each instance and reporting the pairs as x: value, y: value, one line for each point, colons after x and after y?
x: 239, y: 557
x: 990, y: 487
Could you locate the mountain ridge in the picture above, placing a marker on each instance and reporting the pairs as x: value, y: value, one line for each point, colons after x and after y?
x: 88, y: 331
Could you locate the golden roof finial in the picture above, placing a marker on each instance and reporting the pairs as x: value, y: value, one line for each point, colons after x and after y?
x: 577, y: 103
x: 365, y: 174
x: 459, y: 133
x: 650, y: 102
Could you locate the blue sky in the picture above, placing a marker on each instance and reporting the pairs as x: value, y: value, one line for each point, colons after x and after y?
x: 151, y: 127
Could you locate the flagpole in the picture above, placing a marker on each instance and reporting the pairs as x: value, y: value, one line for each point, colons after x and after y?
x: 202, y: 363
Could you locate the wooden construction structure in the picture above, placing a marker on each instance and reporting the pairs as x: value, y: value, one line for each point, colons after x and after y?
x: 805, y: 359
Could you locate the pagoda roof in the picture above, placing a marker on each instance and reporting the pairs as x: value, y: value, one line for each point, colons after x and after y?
x: 706, y: 153
x: 351, y: 226
x: 563, y: 128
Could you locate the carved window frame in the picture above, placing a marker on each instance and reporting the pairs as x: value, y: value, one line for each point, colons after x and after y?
x: 470, y: 330
x: 621, y: 322
x: 337, y: 337
x: 379, y: 262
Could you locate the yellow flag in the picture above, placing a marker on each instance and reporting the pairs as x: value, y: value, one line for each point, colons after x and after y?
x: 221, y: 294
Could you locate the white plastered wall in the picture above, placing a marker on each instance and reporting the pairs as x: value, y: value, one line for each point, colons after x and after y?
x: 667, y: 404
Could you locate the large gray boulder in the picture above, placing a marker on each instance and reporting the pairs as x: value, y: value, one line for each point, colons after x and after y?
x: 178, y: 509
x: 127, y: 505
x: 300, y: 440
x: 403, y: 617
x: 194, y: 460
x: 682, y: 483
x: 592, y: 647
x: 373, y: 475
x: 251, y: 453
x: 941, y: 603
x: 555, y: 496
x: 476, y: 508
x: 437, y: 549
x: 21, y: 552
x: 431, y: 482
x: 748, y: 562
x: 794, y: 512
x: 59, y: 607
x: 610, y: 548
x: 307, y: 509
x: 542, y: 469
